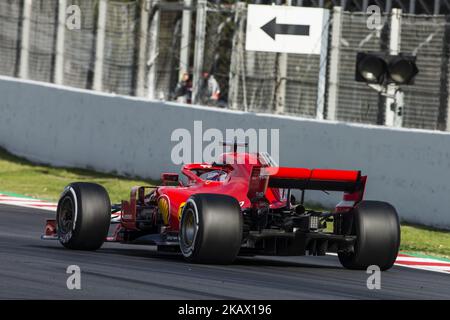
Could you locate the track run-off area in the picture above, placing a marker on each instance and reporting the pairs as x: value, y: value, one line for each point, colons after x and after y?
x: 34, y: 268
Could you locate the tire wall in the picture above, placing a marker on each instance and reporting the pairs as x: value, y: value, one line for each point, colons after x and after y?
x: 77, y: 128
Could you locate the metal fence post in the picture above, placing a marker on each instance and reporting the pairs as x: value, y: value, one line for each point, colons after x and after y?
x: 321, y: 86
x: 444, y: 99
x: 447, y: 123
x: 153, y: 49
x: 25, y: 36
x: 100, y: 45
x: 200, y: 29
x: 185, y: 42
x: 412, y: 6
x: 280, y: 92
x: 333, y: 76
x: 142, y: 53
x: 437, y: 7
x: 236, y: 57
x: 388, y: 6
x: 60, y: 37
x: 393, y: 114
x: 364, y: 6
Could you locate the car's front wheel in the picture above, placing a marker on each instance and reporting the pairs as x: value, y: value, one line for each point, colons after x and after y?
x: 83, y: 216
x: 211, y: 229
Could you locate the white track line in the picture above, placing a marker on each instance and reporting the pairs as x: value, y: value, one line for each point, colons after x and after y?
x: 27, y: 202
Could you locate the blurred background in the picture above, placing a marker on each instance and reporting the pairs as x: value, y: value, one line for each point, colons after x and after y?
x: 178, y: 50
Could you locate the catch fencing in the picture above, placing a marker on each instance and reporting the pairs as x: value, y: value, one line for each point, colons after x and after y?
x: 141, y: 48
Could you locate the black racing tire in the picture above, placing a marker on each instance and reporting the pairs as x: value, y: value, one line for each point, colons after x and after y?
x: 377, y: 229
x: 211, y: 229
x: 83, y: 216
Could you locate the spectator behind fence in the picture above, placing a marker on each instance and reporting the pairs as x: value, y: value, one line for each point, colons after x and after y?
x: 209, y: 93
x: 183, y: 90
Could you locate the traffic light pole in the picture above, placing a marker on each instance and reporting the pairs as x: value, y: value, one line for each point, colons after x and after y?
x: 399, y: 105
x: 394, y: 95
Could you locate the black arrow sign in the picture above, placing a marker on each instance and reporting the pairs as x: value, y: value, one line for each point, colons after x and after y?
x: 272, y: 29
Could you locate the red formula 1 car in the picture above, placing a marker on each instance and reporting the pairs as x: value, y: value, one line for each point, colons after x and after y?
x: 240, y: 205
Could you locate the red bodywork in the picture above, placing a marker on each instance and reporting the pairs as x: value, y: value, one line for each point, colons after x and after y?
x: 249, y: 181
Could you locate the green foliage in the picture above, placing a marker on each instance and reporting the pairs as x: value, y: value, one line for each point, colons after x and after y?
x: 44, y: 182
x: 419, y: 239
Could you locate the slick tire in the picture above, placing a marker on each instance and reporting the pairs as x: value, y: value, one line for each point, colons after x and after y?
x: 83, y: 216
x: 211, y: 229
x: 377, y: 229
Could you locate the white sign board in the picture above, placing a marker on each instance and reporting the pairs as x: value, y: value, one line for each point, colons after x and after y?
x: 285, y: 29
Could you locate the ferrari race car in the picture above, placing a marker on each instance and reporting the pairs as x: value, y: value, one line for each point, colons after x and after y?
x: 230, y: 208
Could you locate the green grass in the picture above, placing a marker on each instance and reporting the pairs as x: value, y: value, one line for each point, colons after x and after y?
x: 40, y: 181
x: 424, y: 240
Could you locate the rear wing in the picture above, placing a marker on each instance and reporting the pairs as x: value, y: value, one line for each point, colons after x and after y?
x: 313, y: 179
x: 348, y: 181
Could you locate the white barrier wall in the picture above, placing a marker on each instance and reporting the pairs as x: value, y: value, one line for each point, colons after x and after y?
x: 76, y: 128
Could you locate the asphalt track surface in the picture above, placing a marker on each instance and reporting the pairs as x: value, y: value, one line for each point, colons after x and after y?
x: 31, y: 268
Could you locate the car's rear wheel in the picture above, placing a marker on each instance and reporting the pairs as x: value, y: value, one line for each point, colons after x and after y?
x: 83, y: 216
x: 211, y: 229
x: 377, y: 229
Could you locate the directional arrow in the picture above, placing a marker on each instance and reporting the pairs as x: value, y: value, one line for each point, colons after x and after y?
x: 272, y: 29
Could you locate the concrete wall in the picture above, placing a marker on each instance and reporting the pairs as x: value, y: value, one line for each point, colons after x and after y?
x: 69, y: 127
